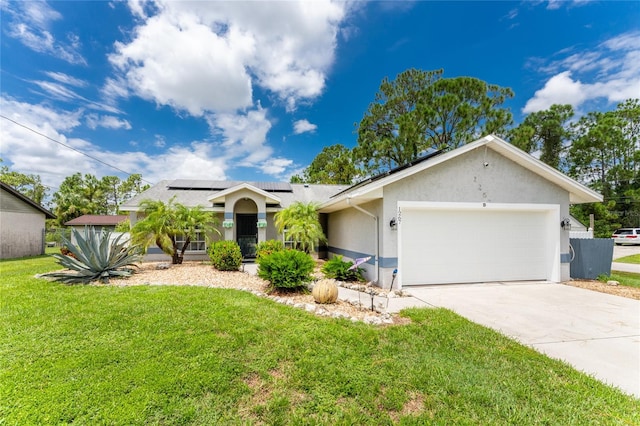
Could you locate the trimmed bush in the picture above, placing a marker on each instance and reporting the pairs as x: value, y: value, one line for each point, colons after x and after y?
x: 225, y: 255
x: 339, y: 269
x: 268, y: 247
x: 286, y: 270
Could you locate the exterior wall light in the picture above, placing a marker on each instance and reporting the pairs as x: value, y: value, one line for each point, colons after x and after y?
x: 392, y: 223
x: 565, y: 224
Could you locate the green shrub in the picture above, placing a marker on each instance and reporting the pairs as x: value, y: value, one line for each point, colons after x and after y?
x: 339, y: 269
x: 95, y: 256
x: 268, y: 247
x: 286, y: 270
x: 225, y: 255
x: 124, y: 226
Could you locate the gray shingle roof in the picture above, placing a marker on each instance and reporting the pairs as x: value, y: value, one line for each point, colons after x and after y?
x: 218, y: 185
x: 192, y: 193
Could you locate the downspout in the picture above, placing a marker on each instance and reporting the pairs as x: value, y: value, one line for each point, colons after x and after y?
x: 375, y: 218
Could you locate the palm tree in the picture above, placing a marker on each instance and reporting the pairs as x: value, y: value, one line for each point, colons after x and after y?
x: 164, y: 222
x: 302, y: 225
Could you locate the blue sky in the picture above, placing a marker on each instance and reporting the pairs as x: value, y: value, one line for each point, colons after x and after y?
x: 254, y: 90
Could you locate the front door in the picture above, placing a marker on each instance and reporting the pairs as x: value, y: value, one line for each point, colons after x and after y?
x: 247, y: 233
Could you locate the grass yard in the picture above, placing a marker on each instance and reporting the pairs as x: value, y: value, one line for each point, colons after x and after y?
x: 203, y: 356
x: 625, y: 278
x: 634, y: 258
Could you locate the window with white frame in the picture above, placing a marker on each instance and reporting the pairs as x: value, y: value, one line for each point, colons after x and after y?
x: 288, y: 241
x: 198, y: 243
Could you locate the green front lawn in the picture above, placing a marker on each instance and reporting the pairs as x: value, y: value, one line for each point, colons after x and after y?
x: 634, y: 258
x: 625, y: 278
x: 193, y: 355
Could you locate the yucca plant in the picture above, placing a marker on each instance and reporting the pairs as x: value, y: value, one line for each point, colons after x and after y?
x: 98, y: 257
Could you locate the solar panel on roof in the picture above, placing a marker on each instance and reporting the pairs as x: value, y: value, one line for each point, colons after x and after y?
x: 272, y: 186
x: 221, y: 185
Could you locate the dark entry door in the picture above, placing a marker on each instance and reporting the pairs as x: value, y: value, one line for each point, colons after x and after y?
x: 247, y: 234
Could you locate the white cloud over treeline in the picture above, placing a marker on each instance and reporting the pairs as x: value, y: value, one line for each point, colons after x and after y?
x: 609, y: 71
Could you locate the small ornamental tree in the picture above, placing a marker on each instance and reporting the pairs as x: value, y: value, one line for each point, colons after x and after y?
x: 302, y: 225
x: 164, y: 222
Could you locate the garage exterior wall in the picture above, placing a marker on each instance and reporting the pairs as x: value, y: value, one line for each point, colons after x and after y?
x: 352, y: 234
x: 461, y: 179
x: 21, y: 228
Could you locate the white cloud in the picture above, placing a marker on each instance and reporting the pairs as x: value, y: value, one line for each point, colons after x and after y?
x: 241, y: 141
x: 177, y: 61
x: 66, y: 79
x: 198, y: 160
x: 609, y: 71
x: 559, y: 89
x: 160, y: 141
x: 206, y: 56
x: 28, y: 152
x: 303, y: 126
x: 113, y: 89
x: 243, y: 135
x: 107, y: 121
x: 276, y: 166
x: 557, y: 4
x: 30, y: 22
x: 61, y: 92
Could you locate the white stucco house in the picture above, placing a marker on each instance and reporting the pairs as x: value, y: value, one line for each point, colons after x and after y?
x: 22, y: 224
x: 484, y: 212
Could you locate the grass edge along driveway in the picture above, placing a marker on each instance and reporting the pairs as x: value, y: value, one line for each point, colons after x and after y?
x: 190, y: 355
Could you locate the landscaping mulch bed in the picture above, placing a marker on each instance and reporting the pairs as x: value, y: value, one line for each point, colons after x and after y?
x: 617, y: 290
x: 204, y: 275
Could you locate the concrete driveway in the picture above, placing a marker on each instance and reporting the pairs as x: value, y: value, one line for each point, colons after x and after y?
x: 595, y: 332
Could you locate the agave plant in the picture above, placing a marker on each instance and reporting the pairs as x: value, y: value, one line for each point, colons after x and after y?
x: 97, y: 257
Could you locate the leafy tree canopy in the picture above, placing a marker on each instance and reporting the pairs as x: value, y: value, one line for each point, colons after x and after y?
x: 334, y: 165
x: 546, y: 131
x: 421, y: 111
x: 28, y: 185
x: 605, y: 155
x: 79, y: 195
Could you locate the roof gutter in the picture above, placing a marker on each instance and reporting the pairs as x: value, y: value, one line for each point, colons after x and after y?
x: 375, y: 218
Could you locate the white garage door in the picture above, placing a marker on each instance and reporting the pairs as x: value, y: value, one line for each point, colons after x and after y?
x: 440, y: 243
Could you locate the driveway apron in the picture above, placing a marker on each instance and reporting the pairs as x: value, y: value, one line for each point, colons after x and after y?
x: 595, y: 332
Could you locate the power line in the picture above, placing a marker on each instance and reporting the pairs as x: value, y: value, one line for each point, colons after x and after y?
x: 71, y: 148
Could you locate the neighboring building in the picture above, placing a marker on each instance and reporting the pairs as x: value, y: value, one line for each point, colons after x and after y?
x: 484, y: 212
x: 578, y: 229
x: 22, y: 224
x: 97, y: 221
